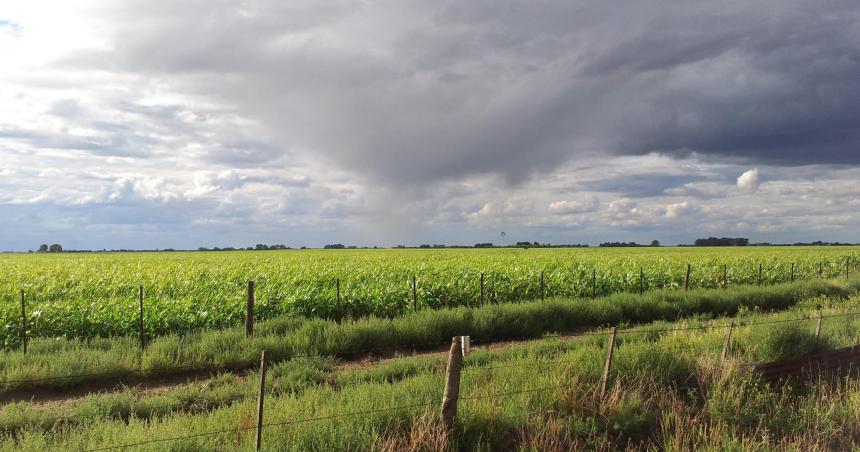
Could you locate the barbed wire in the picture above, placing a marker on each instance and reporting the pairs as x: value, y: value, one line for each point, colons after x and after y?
x: 426, y: 405
x: 247, y: 365
x: 266, y: 425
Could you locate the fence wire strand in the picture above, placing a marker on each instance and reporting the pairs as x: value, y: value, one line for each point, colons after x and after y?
x: 266, y: 425
x: 249, y: 365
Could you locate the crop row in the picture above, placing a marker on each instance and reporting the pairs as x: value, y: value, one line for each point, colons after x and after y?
x: 96, y: 295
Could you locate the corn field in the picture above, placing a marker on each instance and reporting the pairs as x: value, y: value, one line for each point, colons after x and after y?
x: 85, y: 295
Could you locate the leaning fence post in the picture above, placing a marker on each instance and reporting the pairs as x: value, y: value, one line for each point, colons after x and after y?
x: 687, y: 278
x: 414, y: 294
x: 818, y: 326
x: 482, y: 288
x: 727, y: 342
x: 249, y: 315
x: 23, y: 323
x: 142, y: 330
x: 542, y: 287
x: 338, y: 313
x: 452, y: 383
x: 260, y: 399
x: 607, y: 365
x: 593, y: 283
x: 846, y: 267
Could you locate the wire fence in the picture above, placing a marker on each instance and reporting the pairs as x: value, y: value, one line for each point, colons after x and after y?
x: 401, y: 348
x: 456, y: 353
x: 480, y: 294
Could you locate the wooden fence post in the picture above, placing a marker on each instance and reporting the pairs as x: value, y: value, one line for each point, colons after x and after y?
x: 607, y: 365
x: 821, y: 270
x: 846, y: 267
x: 23, y: 324
x: 818, y: 326
x: 759, y: 273
x: 338, y: 312
x: 641, y: 281
x: 142, y: 330
x: 414, y: 294
x: 727, y: 342
x: 725, y: 275
x: 687, y: 278
x: 260, y: 399
x: 452, y: 384
x: 593, y: 283
x: 249, y: 315
x: 792, y: 272
x: 542, y: 287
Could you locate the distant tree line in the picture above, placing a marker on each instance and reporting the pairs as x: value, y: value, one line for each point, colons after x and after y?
x: 257, y: 247
x: 626, y: 244
x: 722, y: 241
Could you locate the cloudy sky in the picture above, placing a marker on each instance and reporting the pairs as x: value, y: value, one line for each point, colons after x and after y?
x: 165, y: 123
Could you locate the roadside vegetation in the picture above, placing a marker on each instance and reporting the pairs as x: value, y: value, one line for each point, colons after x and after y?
x: 668, y: 391
x: 58, y: 363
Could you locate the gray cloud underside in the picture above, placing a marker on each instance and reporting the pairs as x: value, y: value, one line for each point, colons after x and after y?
x: 426, y: 91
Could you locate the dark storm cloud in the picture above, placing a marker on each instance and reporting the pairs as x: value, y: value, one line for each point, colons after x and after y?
x: 417, y: 92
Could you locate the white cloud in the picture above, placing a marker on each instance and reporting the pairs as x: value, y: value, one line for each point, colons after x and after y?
x: 749, y: 180
x: 679, y: 209
x: 622, y: 207
x: 574, y: 206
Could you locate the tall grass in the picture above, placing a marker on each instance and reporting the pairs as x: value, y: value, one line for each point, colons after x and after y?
x: 287, y: 338
x: 667, y: 392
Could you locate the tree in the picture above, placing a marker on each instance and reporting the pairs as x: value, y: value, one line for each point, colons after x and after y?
x: 655, y: 243
x: 55, y: 248
x: 43, y: 248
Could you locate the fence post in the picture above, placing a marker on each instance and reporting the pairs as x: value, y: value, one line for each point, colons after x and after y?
x: 792, y: 272
x: 818, y: 326
x: 249, y: 315
x: 759, y: 273
x: 260, y: 399
x: 414, y: 294
x: 593, y: 283
x: 846, y: 267
x: 452, y: 383
x: 641, y: 281
x: 142, y: 330
x: 687, y: 278
x: 604, y: 381
x: 820, y: 270
x: 725, y: 275
x: 338, y: 313
x: 482, y: 288
x: 23, y: 323
x: 727, y: 342
x: 542, y: 287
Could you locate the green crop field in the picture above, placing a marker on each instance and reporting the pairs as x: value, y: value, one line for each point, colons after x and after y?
x: 85, y: 295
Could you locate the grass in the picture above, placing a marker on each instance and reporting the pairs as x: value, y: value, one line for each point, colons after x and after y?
x: 668, y: 392
x: 49, y: 361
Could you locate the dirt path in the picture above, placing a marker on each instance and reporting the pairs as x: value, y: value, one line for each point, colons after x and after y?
x: 144, y: 386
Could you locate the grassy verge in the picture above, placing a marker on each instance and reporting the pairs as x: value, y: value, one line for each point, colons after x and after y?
x: 667, y: 392
x: 49, y: 362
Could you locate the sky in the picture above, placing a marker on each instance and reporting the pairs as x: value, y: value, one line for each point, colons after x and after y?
x: 179, y: 124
